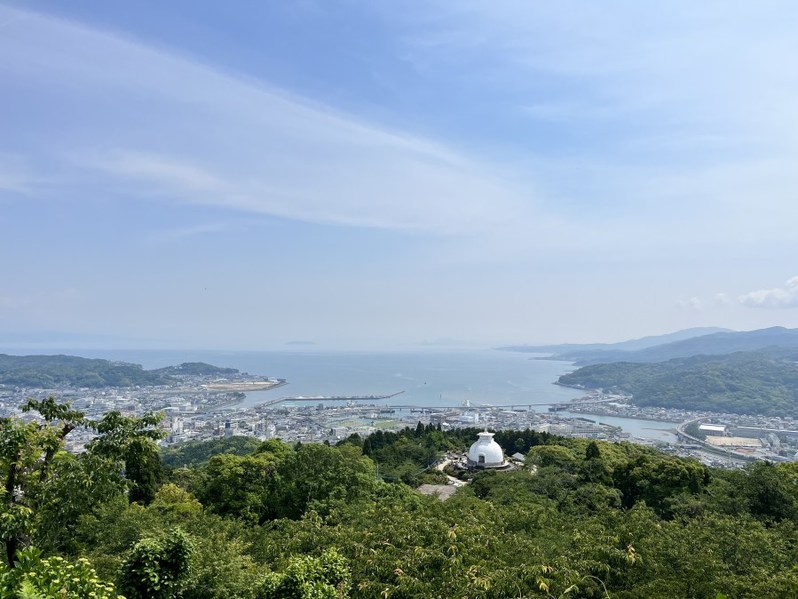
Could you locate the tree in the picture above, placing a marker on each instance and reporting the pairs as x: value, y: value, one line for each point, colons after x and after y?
x: 593, y: 469
x: 242, y: 487
x: 27, y: 452
x: 552, y: 455
x: 35, y: 576
x: 323, y: 577
x: 317, y: 476
x: 367, y: 448
x: 196, y: 453
x: 44, y: 489
x: 770, y: 493
x: 131, y: 441
x: 157, y: 568
x: 658, y: 480
x: 592, y: 451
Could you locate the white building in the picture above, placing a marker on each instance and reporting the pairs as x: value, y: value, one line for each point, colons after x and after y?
x: 712, y: 429
x: 485, y: 452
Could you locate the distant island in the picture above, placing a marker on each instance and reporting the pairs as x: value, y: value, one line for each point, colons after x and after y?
x: 73, y: 371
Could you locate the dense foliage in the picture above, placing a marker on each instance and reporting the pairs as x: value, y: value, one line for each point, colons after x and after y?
x: 196, y: 453
x: 742, y: 383
x: 580, y: 519
x: 52, y: 371
x: 35, y: 577
x: 196, y: 369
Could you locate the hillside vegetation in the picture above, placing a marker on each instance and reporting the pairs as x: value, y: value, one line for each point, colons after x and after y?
x: 742, y: 383
x: 197, y: 453
x: 60, y: 370
x: 196, y: 369
x: 317, y: 521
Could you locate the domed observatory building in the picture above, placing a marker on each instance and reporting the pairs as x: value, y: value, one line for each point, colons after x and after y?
x: 486, y: 453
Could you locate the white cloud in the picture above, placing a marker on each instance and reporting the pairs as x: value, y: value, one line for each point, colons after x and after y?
x: 688, y: 142
x: 180, y: 233
x: 693, y: 303
x: 141, y: 121
x: 778, y: 297
x: 693, y: 104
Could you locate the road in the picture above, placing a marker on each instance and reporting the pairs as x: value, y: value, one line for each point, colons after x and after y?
x: 452, y: 480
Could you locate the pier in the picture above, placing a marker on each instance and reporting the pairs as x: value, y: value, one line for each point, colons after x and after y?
x: 279, y: 400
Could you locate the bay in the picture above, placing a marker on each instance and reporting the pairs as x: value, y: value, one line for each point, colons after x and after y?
x: 425, y: 377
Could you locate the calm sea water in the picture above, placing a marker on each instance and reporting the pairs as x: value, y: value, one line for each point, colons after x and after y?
x: 427, y: 377
x: 440, y: 378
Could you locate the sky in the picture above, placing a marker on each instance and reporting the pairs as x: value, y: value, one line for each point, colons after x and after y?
x: 374, y: 173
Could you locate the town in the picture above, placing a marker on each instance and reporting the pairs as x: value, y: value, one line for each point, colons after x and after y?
x: 202, y: 407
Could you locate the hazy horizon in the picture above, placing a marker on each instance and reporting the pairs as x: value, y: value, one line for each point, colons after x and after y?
x: 377, y: 175
x: 76, y: 344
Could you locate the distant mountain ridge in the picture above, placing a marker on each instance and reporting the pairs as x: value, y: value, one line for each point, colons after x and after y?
x: 719, y: 342
x: 565, y: 349
x: 715, y: 344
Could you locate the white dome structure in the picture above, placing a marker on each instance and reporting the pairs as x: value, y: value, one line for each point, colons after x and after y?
x: 485, y: 453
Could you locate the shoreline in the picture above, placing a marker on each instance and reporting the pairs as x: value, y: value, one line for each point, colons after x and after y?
x: 233, y: 402
x: 244, y: 386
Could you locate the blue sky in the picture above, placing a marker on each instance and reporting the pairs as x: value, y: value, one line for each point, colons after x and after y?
x: 359, y: 174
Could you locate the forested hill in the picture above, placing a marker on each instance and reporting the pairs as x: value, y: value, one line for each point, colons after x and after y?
x: 74, y: 371
x: 741, y: 383
x: 196, y: 369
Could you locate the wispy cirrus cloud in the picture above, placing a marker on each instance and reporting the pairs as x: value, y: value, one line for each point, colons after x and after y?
x: 140, y: 121
x: 15, y: 175
x: 145, y: 122
x: 777, y: 298
x: 175, y: 234
x: 575, y: 161
x: 643, y: 99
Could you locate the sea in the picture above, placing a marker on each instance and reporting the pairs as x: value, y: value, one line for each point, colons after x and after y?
x: 425, y: 377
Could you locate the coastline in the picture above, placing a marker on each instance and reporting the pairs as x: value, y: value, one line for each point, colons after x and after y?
x: 585, y: 389
x: 245, y: 386
x: 235, y: 401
